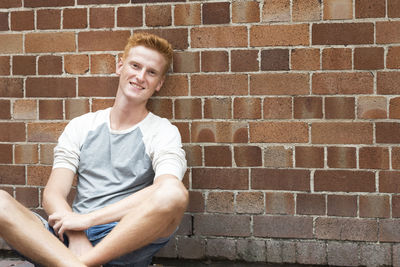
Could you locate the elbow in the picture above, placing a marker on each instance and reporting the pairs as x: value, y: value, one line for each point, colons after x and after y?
x: 172, y: 196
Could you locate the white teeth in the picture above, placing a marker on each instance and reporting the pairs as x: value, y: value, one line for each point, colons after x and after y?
x: 136, y: 86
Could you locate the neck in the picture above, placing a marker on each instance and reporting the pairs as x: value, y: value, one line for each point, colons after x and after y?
x: 126, y: 115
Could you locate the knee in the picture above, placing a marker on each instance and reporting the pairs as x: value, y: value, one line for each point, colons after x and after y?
x: 172, y: 196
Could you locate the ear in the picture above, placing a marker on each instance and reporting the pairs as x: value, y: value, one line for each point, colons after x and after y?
x: 119, y: 66
x: 160, y: 83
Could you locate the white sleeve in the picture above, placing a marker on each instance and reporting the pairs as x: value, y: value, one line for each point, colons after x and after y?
x: 168, y: 157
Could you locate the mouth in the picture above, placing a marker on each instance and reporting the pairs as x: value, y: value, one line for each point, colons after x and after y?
x: 136, y: 86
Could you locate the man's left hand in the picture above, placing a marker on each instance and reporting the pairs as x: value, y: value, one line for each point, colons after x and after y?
x: 65, y: 221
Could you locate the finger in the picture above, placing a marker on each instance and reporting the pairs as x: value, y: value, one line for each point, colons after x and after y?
x: 54, y: 218
x: 61, y: 233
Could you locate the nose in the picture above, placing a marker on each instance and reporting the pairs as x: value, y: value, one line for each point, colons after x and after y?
x: 140, y: 74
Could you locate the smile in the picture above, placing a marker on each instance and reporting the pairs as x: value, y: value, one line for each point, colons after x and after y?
x: 136, y: 86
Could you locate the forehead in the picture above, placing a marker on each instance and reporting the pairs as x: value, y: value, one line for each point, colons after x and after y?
x: 147, y: 57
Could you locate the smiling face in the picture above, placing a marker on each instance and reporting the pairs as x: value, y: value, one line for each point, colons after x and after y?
x: 141, y: 73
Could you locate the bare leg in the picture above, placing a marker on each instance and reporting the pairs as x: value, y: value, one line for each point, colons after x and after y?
x: 25, y: 232
x: 158, y: 216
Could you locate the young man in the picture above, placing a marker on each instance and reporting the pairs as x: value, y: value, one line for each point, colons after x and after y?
x: 129, y: 163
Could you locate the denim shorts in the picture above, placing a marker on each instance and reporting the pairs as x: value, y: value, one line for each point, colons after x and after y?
x: 138, y: 258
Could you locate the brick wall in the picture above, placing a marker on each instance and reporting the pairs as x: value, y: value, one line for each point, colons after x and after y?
x: 288, y: 109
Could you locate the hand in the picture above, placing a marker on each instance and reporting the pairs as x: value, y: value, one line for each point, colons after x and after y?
x: 66, y: 221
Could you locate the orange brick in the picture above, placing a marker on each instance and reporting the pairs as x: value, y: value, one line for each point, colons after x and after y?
x: 12, y: 132
x: 227, y: 84
x: 305, y: 59
x: 50, y: 42
x: 159, y: 15
x: 130, y: 16
x: 279, y: 84
x: 339, y: 108
x: 26, y: 154
x: 306, y: 10
x: 22, y: 20
x: 246, y: 156
x: 218, y: 108
x: 160, y: 107
x: 245, y: 11
x: 374, y: 158
x: 97, y: 86
x: 5, y: 64
x: 370, y: 9
x: 247, y: 108
x: 101, y: 17
x: 279, y: 35
x: 342, y: 83
x: 98, y: 104
x: 11, y: 87
x: 25, y: 109
x: 6, y: 153
x: 218, y: 156
x: 5, y: 109
x: 219, y: 132
x: 336, y: 59
x: 307, y: 108
x: 187, y: 14
x: 371, y: 107
x: 75, y: 108
x: 11, y: 44
x: 278, y: 156
x: 393, y: 57
x: 309, y: 157
x: 276, y: 10
x: 278, y: 108
x: 342, y: 133
x: 374, y: 206
x: 387, y: 83
x: 76, y: 64
x: 214, y: 61
x: 102, y: 64
x: 38, y: 175
x: 107, y: 40
x: 51, y: 109
x: 279, y: 203
x: 338, y: 9
x: 278, y: 132
x: 50, y: 65
x: 228, y: 36
x: 175, y: 85
x: 46, y: 153
x: 342, y: 157
x: 188, y: 108
x: 388, y: 32
x: 394, y: 108
x: 45, y: 132
x: 186, y: 62
x: 48, y: 19
x: 75, y: 18
x: 50, y: 87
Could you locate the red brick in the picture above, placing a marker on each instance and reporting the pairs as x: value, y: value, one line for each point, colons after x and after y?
x: 98, y: 104
x: 5, y: 109
x: 342, y: 33
x: 10, y: 3
x: 50, y: 65
x: 342, y: 83
x: 50, y: 42
x: 50, y: 87
x: 394, y: 108
x: 46, y: 153
x: 342, y: 205
x: 387, y: 132
x: 306, y: 10
x: 387, y: 83
x: 275, y: 59
x: 160, y: 107
x: 278, y: 108
x: 396, y: 206
x: 374, y: 158
x: 186, y: 62
x: 183, y: 128
x: 246, y: 108
x: 24, y: 65
x: 220, y: 156
x: 11, y: 44
x: 389, y: 182
x: 193, y: 155
x: 50, y: 109
x: 339, y: 108
x: 246, y: 156
x: 29, y: 197
x: 188, y: 108
x: 245, y: 11
x: 283, y: 226
x: 11, y: 87
x: 279, y: 84
x: 76, y: 64
x: 337, y: 59
x: 187, y: 14
x: 278, y: 132
x: 342, y: 157
x: 38, y: 175
x: 22, y: 20
x: 130, y: 16
x: 374, y: 206
x: 228, y: 36
x: 220, y: 202
x: 346, y: 229
x: 393, y: 57
x: 368, y: 58
x: 341, y: 133
x: 196, y: 202
x: 276, y: 10
x: 309, y: 157
x: 4, y: 21
x: 214, y: 61
x: 226, y: 179
x: 370, y: 9
x: 12, y: 132
x: 102, y: 64
x: 393, y: 9
x: 344, y: 181
x: 396, y: 157
x: 389, y: 230
x: 6, y: 153
x: 244, y: 60
x: 101, y: 17
x: 226, y: 84
x: 159, y: 15
x: 216, y: 13
x: 279, y: 35
x: 308, y: 108
x: 12, y: 175
x: 278, y: 157
x: 48, y: 19
x: 25, y: 109
x: 277, y: 179
x: 220, y: 132
x: 250, y: 202
x: 99, y: 2
x: 75, y: 18
x: 305, y: 59
x: 176, y: 85
x: 5, y: 64
x: 97, y: 86
x: 310, y: 204
x: 177, y: 37
x: 387, y: 32
x: 191, y: 247
x: 279, y: 203
x: 218, y: 108
x: 222, y: 225
x: 338, y: 9
x: 221, y: 248
x: 48, y: 3
x: 44, y: 132
x: 372, y: 107
x: 108, y: 40
x: 26, y: 154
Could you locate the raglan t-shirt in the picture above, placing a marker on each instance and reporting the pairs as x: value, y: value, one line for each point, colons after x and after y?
x: 112, y: 165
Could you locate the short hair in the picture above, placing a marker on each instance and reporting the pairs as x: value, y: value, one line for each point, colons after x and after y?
x: 151, y: 41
